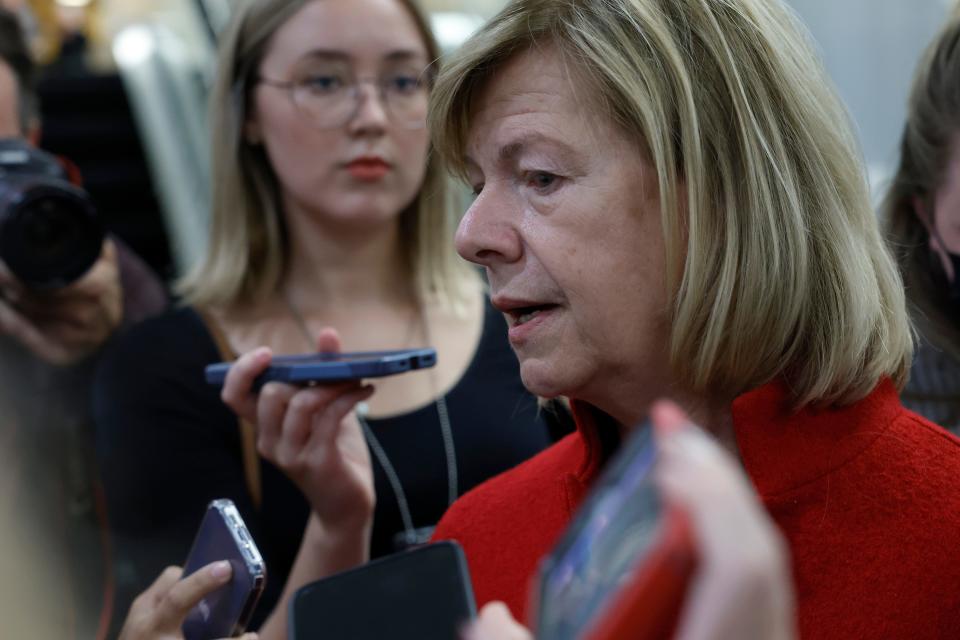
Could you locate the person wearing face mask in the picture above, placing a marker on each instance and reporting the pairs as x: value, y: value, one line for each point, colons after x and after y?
x: 922, y: 212
x: 328, y: 210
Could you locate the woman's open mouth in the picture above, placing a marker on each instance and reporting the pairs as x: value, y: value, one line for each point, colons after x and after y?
x: 523, y: 315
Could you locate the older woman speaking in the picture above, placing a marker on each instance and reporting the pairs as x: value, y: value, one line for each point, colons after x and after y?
x: 670, y: 203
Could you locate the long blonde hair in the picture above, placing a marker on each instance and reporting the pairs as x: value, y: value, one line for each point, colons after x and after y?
x: 246, y: 256
x: 775, y: 259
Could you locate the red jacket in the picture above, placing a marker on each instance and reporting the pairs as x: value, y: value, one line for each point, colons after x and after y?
x: 868, y: 497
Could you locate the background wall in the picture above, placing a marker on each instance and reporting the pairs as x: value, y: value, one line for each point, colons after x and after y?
x: 871, y: 49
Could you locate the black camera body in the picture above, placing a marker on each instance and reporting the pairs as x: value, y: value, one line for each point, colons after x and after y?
x: 50, y: 234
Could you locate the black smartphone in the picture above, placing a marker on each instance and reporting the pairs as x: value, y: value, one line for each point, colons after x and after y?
x: 622, y: 567
x: 424, y: 593
x: 332, y: 367
x: 225, y: 612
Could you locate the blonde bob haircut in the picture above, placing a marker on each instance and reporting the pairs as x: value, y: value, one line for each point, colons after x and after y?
x: 776, y: 261
x: 246, y: 255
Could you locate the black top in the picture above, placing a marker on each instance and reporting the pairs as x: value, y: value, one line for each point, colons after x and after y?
x: 167, y: 446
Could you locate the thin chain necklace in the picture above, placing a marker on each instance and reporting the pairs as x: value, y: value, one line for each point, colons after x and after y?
x: 411, y: 535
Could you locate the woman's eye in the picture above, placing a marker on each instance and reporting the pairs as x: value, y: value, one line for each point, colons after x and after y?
x: 477, y: 188
x: 403, y: 83
x: 322, y: 83
x: 542, y: 181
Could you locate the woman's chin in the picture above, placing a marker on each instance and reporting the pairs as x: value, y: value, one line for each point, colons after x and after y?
x: 545, y: 380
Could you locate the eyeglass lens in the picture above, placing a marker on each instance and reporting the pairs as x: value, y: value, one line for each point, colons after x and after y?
x: 328, y: 92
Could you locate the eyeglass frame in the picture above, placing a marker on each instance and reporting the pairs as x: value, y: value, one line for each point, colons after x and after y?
x: 425, y: 81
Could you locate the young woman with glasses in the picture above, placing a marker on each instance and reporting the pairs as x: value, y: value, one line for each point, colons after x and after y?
x: 331, y: 228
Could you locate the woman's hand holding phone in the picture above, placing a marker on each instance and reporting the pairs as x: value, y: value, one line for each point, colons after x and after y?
x: 158, y: 613
x: 742, y: 588
x: 311, y: 434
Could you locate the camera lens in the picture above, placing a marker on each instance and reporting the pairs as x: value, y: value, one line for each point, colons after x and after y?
x: 49, y: 230
x: 50, y: 236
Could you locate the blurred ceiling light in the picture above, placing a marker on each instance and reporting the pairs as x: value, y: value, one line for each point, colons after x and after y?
x: 453, y: 28
x: 74, y: 4
x: 134, y: 45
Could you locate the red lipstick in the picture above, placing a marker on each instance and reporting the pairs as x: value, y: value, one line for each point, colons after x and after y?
x: 368, y: 168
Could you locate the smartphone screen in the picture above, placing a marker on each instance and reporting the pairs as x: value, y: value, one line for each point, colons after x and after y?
x: 223, y: 536
x: 609, y: 541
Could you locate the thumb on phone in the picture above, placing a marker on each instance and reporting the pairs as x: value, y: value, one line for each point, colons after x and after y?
x: 187, y: 592
x: 328, y: 341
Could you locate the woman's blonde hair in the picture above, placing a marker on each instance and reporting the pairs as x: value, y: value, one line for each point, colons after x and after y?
x: 929, y: 138
x: 246, y: 255
x: 778, y: 266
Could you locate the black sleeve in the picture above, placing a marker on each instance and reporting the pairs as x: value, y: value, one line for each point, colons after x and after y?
x: 166, y: 445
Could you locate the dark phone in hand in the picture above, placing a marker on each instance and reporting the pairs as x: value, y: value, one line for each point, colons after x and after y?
x: 424, y: 593
x: 333, y: 367
x: 225, y: 612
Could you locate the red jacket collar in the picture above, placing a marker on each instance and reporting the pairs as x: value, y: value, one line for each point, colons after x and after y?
x: 780, y: 449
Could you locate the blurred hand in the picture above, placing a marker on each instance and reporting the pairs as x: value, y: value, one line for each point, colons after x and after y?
x: 64, y: 326
x: 743, y: 587
x: 312, y: 434
x: 496, y: 623
x: 159, y: 612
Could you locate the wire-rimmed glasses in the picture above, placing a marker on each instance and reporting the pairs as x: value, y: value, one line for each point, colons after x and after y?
x: 329, y: 94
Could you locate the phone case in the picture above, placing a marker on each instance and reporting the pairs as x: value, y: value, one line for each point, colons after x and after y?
x: 225, y: 612
x: 621, y: 568
x: 330, y: 367
x: 649, y: 603
x: 424, y: 593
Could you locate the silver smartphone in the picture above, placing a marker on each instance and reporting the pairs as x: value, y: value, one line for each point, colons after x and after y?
x: 225, y: 612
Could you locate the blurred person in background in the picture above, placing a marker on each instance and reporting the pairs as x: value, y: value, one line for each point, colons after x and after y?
x: 922, y: 213
x: 49, y: 343
x: 328, y: 210
x: 670, y: 202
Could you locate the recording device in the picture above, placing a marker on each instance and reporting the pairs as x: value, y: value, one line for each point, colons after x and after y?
x: 622, y: 567
x: 333, y: 367
x: 424, y: 593
x: 225, y: 612
x: 50, y: 234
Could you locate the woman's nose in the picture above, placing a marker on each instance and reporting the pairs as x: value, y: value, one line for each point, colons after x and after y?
x: 487, y: 234
x: 371, y: 109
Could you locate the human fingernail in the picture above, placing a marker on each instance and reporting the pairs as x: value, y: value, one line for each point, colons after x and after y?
x: 220, y: 570
x: 668, y: 418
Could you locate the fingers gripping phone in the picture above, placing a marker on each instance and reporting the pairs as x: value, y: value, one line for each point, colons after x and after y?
x: 622, y: 567
x: 333, y: 367
x: 225, y: 612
